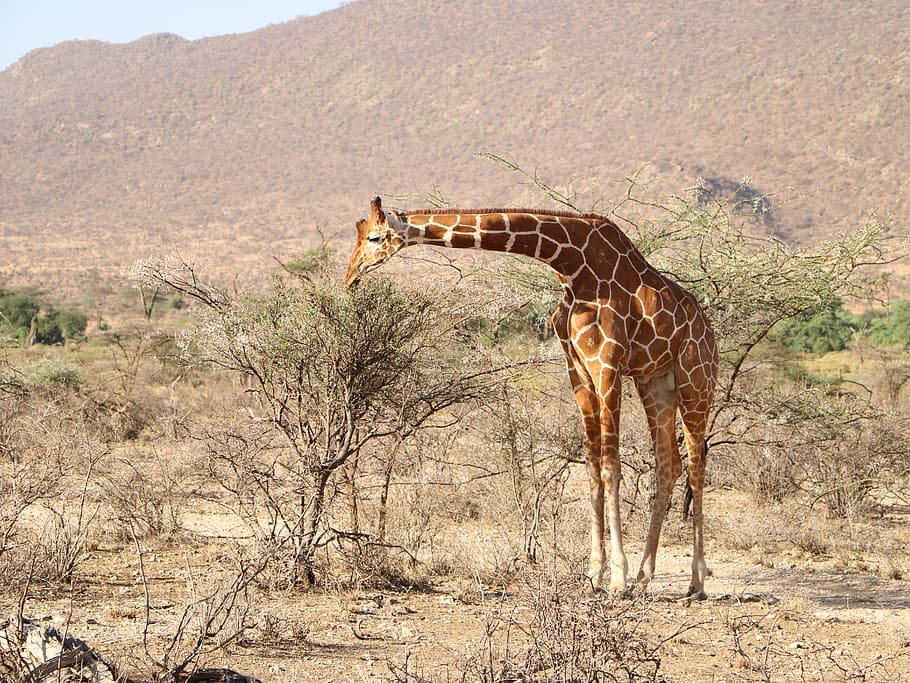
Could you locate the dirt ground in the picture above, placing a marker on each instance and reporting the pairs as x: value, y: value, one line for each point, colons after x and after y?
x: 796, y: 623
x: 772, y: 615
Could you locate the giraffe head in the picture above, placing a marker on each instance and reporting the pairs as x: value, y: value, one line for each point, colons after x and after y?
x: 377, y: 241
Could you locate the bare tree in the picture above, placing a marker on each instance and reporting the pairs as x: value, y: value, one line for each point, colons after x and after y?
x: 148, y: 297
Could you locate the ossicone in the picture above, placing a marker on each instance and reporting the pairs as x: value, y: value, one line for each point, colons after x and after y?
x: 376, y: 210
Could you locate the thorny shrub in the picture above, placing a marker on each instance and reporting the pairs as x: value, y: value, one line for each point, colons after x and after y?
x: 563, y: 635
x: 328, y: 372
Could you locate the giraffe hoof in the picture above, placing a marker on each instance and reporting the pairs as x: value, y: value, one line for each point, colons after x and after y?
x: 611, y: 591
x: 642, y: 584
x: 692, y: 596
x: 623, y: 592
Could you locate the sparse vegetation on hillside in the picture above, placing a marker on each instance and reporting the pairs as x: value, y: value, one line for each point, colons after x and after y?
x: 241, y: 147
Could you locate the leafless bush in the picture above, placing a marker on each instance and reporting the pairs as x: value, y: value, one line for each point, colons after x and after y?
x: 589, y: 640
x: 274, y: 628
x: 562, y: 636
x: 809, y: 539
x: 45, y: 445
x: 21, y: 486
x: 64, y: 542
x: 115, y: 419
x: 770, y: 474
x: 11, y: 381
x: 46, y: 429
x: 12, y: 396
x: 26, y: 478
x: 64, y: 545
x: 535, y: 444
x: 147, y: 498
x: 890, y: 377
x: 756, y: 647
x: 250, y: 463
x: 373, y: 565
x: 118, y: 404
x: 213, y: 615
x: 829, y: 445
x: 402, y: 499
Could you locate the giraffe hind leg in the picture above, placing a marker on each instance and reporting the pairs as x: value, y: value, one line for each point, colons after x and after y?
x: 696, y: 376
x: 687, y: 497
x: 658, y: 396
x: 697, y: 449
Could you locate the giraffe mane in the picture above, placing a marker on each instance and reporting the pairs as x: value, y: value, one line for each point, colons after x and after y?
x: 555, y: 213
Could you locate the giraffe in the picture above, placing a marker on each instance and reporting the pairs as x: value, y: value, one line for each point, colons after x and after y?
x: 619, y: 316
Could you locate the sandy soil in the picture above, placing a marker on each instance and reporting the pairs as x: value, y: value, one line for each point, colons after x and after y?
x: 793, y: 621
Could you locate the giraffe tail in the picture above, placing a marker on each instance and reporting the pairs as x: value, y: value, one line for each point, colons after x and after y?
x: 687, y: 498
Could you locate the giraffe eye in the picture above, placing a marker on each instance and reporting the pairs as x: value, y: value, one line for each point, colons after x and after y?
x: 375, y: 239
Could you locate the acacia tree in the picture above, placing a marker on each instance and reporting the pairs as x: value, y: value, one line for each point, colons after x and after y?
x: 327, y: 372
x: 748, y: 282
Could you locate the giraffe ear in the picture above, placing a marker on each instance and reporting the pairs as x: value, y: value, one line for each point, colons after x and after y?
x: 376, y: 210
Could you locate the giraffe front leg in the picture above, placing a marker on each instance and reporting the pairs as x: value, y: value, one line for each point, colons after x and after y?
x: 597, y: 482
x: 598, y: 555
x: 586, y: 398
x: 604, y: 478
x: 610, y: 391
x: 597, y: 390
x: 619, y: 565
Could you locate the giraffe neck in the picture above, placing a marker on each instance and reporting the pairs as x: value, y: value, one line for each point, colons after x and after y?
x: 559, y: 240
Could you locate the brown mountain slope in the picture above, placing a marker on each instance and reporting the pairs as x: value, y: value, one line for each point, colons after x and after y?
x: 241, y: 145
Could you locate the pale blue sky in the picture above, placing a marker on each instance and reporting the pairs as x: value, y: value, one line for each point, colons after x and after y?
x: 29, y: 24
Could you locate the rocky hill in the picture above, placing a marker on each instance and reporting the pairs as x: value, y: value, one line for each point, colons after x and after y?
x: 242, y: 147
